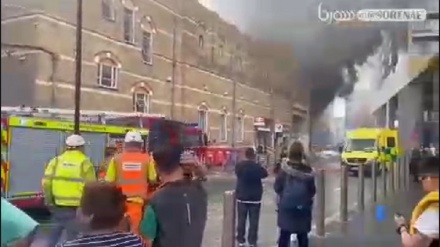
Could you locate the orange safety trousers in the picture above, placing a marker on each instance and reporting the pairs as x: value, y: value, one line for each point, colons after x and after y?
x: 135, y: 211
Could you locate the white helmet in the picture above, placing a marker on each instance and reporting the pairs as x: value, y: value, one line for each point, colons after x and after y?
x: 133, y: 136
x: 75, y: 141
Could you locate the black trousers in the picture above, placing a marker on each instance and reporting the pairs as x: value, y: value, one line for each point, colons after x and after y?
x: 284, y: 239
x: 245, y: 211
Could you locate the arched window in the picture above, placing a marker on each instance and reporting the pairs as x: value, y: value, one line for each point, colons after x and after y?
x: 108, y: 70
x: 141, y: 98
x: 239, y: 126
x: 129, y: 20
x: 201, y: 41
x: 203, y: 117
x: 223, y: 130
x: 148, y: 31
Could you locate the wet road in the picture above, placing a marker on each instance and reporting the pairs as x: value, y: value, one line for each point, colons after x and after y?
x: 216, y: 186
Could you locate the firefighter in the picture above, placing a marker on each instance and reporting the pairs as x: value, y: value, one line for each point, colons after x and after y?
x: 63, y: 183
x: 134, y: 171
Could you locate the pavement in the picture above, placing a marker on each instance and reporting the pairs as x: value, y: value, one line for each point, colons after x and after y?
x: 218, y: 183
x: 363, y: 229
x: 268, y: 227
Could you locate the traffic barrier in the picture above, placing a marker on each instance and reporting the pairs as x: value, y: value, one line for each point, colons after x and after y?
x: 374, y: 173
x: 392, y: 177
x: 361, y: 188
x: 343, y: 206
x: 229, y: 219
x: 320, y: 195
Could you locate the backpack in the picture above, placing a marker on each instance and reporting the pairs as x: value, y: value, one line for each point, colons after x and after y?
x: 295, y: 196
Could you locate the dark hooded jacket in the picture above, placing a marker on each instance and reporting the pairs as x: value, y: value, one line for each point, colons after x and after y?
x: 289, y: 221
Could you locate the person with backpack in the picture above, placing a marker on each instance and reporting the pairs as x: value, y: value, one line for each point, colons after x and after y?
x: 295, y: 187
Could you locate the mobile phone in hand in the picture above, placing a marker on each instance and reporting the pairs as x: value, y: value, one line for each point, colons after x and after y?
x: 398, y: 215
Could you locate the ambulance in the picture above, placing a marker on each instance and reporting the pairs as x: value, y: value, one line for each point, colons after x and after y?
x: 31, y: 138
x: 363, y: 147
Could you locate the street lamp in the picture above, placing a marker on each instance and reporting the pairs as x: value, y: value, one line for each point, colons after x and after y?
x: 78, y: 60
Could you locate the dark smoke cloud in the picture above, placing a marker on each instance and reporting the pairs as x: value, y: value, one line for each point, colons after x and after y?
x: 322, y: 50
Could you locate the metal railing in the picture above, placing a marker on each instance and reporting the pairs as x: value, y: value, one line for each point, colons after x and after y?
x: 394, y: 176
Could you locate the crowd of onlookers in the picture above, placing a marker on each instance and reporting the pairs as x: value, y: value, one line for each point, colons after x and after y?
x: 176, y: 214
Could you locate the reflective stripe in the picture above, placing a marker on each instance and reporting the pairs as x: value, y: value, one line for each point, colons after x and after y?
x: 61, y: 178
x: 67, y: 198
x: 122, y: 181
x: 131, y: 166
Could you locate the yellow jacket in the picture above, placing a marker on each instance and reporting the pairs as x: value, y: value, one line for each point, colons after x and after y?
x: 429, y: 201
x: 152, y: 177
x: 65, y: 177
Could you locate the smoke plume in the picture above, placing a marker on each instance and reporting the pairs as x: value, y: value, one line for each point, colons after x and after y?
x: 323, y: 51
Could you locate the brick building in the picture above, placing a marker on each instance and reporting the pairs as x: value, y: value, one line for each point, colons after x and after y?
x: 172, y: 57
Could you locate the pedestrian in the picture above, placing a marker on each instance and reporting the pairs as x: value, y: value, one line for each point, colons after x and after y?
x: 192, y: 168
x: 423, y: 229
x: 17, y: 229
x: 177, y: 212
x: 416, y: 156
x: 249, y: 192
x: 135, y: 172
x: 63, y: 183
x: 295, y: 186
x: 101, y: 211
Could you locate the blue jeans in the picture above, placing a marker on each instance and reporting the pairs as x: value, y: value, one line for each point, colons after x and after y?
x: 64, y: 219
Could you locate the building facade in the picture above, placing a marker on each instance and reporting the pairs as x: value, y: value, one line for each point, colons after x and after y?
x: 170, y: 57
x: 408, y: 99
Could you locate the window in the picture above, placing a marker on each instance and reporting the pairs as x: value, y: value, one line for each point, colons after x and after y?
x: 107, y: 74
x: 203, y: 119
x: 360, y: 145
x: 129, y: 22
x: 391, y: 142
x: 239, y: 127
x: 220, y: 50
x: 201, y: 41
x: 212, y: 54
x: 223, y: 132
x: 147, y: 47
x: 108, y: 10
x: 141, y: 101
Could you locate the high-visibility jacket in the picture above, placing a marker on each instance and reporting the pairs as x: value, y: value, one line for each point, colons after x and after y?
x: 103, y: 168
x: 134, y: 172
x: 65, y: 177
x: 3, y: 173
x: 429, y: 201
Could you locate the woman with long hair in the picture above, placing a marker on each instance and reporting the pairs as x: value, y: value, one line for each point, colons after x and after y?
x: 295, y: 187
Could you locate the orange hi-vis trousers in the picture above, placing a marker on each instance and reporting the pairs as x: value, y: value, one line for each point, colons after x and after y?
x: 135, y: 211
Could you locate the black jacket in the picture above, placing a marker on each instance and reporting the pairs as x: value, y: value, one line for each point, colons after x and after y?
x: 181, y: 210
x: 286, y: 220
x: 249, y: 185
